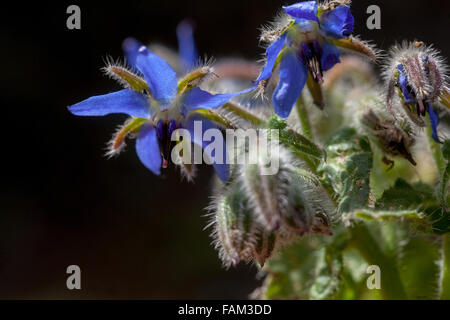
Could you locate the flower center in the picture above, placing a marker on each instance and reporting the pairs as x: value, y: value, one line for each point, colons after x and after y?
x: 311, y: 54
x: 164, y: 130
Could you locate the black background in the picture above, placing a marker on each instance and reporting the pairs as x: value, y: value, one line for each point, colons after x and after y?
x: 134, y: 235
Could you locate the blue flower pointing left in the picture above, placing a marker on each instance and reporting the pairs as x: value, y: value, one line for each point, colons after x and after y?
x: 304, y: 46
x: 158, y: 106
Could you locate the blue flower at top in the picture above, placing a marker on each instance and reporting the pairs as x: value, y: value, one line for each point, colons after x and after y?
x: 187, y: 49
x: 305, y: 47
x: 163, y: 110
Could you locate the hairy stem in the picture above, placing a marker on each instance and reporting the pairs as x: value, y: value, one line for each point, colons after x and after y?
x: 436, y: 152
x: 303, y: 117
x: 391, y: 285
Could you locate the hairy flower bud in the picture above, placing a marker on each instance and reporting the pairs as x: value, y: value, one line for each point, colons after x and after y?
x: 234, y: 227
x: 268, y: 194
x: 286, y: 201
x: 394, y: 135
x: 264, y: 246
x: 418, y: 75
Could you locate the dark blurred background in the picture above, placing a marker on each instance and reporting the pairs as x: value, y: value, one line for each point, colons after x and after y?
x: 62, y: 202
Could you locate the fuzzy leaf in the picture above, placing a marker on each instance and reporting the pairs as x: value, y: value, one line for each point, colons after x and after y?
x: 387, y: 215
x: 295, y: 141
x: 419, y: 197
x: 289, y: 272
x: 418, y: 258
x: 443, y: 187
x: 328, y: 276
x: 348, y: 169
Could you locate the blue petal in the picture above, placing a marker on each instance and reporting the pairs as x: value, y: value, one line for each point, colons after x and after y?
x: 330, y: 56
x: 160, y: 77
x: 124, y: 101
x: 337, y: 23
x: 186, y: 44
x: 303, y: 10
x: 434, y: 120
x: 292, y: 80
x: 147, y: 148
x: 222, y: 170
x: 198, y: 99
x: 130, y: 47
x: 272, y: 53
x: 403, y: 81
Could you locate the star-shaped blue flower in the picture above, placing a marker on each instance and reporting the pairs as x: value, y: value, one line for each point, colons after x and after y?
x: 305, y: 47
x: 162, y: 110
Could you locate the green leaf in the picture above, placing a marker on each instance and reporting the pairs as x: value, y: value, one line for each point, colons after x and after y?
x: 443, y: 186
x: 348, y: 169
x: 289, y: 272
x: 418, y: 259
x: 420, y: 198
x: 403, y: 196
x: 328, y: 275
x: 445, y: 279
x: 310, y: 268
x: 298, y: 143
x: 388, y: 215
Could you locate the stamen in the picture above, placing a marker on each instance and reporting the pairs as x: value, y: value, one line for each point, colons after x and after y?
x: 311, y: 54
x: 164, y: 130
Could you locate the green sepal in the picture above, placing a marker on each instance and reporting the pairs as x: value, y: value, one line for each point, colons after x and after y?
x: 128, y: 78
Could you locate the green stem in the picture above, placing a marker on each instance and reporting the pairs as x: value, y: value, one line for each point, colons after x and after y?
x: 445, y: 284
x: 391, y: 285
x: 436, y: 152
x: 443, y: 168
x: 303, y: 117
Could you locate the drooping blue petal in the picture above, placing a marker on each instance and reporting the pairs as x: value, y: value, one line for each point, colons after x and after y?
x: 199, y: 99
x: 434, y: 120
x: 330, y: 56
x: 186, y: 44
x: 403, y: 82
x: 293, y: 76
x: 271, y: 53
x: 337, y: 23
x: 160, y: 77
x: 130, y: 47
x: 147, y: 148
x: 222, y: 165
x: 124, y: 101
x: 303, y: 10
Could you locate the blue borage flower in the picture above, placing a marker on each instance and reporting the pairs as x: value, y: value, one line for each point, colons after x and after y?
x: 187, y: 51
x: 420, y: 76
x: 306, y: 46
x: 158, y: 106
